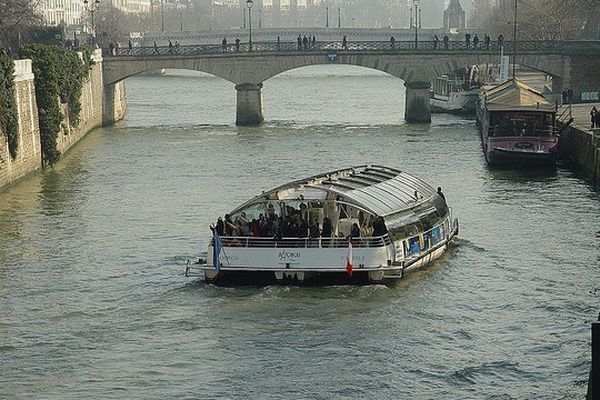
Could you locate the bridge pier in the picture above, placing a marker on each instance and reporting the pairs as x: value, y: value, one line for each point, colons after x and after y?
x: 114, y: 103
x: 249, y: 104
x: 416, y: 106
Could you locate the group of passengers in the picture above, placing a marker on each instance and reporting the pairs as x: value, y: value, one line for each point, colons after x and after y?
x: 294, y: 225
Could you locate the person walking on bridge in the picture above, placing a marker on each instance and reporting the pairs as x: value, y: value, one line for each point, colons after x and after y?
x: 595, y: 118
x: 446, y: 42
x: 155, y: 51
x: 436, y: 39
x: 224, y: 44
x: 344, y: 43
x: 393, y: 42
x: 486, y: 41
x: 299, y: 42
x: 500, y: 41
x: 475, y: 41
x: 237, y: 44
x: 468, y: 40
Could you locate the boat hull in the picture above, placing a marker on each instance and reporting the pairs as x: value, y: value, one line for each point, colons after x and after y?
x: 504, y: 157
x: 313, y: 266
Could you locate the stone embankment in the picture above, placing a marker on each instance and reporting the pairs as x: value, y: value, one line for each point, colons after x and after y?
x: 29, y: 153
x: 579, y: 144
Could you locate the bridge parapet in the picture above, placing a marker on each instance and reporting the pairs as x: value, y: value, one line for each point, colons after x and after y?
x: 401, y: 59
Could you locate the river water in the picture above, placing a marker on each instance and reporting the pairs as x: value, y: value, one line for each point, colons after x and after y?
x: 93, y: 302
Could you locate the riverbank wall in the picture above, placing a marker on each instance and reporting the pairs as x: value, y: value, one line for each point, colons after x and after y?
x: 29, y: 154
x: 580, y: 145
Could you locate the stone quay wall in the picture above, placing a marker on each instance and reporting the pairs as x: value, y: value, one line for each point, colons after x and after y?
x: 582, y: 148
x: 29, y: 153
x: 29, y: 156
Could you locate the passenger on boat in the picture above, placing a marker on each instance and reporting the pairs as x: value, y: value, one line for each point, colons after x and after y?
x: 418, y: 196
x: 220, y: 227
x: 327, y: 230
x: 229, y: 225
x: 379, y: 228
x: 355, y: 231
x: 313, y: 230
x: 439, y: 191
x: 244, y: 225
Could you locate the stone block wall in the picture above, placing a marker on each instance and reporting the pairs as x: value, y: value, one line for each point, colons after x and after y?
x: 28, y: 157
x: 578, y: 147
x: 91, y: 108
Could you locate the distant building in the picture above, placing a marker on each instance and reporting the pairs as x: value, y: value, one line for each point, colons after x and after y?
x: 64, y: 12
x: 454, y: 16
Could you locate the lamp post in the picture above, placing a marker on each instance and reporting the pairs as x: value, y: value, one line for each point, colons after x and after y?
x: 339, y: 17
x: 515, y: 41
x: 326, y: 17
x: 92, y: 8
x: 416, y: 20
x: 250, y: 3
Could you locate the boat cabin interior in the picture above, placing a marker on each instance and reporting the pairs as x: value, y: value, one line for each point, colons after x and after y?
x: 364, y: 201
x: 521, y: 123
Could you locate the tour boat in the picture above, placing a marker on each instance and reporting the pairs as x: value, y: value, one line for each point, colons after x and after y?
x: 518, y: 126
x: 361, y: 224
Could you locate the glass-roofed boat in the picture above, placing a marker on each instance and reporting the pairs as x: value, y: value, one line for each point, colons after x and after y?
x: 362, y: 224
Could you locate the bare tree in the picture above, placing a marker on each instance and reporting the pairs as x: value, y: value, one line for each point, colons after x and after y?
x: 537, y: 19
x: 17, y: 17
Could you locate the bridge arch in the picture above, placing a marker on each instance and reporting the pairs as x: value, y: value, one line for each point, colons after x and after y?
x: 249, y: 70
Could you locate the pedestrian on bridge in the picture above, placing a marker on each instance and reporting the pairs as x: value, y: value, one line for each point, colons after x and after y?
x: 170, y: 47
x: 278, y: 43
x: 237, y: 44
x: 129, y: 46
x: 500, y: 41
x: 224, y: 44
x: 595, y: 118
x: 155, y: 51
x: 446, y: 40
x: 436, y: 39
x: 486, y: 41
x: 299, y: 42
x: 314, y: 42
x: 468, y: 40
x: 475, y: 41
x: 344, y: 43
x: 393, y: 42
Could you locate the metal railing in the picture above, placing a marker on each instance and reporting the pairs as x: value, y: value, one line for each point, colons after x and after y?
x: 320, y: 242
x: 331, y: 46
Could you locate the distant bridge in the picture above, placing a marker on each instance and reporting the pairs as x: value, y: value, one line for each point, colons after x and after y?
x: 571, y: 64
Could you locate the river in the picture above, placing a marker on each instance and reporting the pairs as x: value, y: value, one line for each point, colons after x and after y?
x: 94, y: 304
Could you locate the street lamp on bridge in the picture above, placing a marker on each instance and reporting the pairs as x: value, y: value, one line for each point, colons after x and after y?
x: 250, y: 3
x: 92, y: 8
x: 416, y: 4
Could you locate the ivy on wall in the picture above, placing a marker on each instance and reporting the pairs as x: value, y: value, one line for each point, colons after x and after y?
x: 9, y: 123
x: 59, y: 75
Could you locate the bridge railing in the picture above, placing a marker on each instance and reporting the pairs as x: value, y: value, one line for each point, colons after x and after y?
x: 334, y: 46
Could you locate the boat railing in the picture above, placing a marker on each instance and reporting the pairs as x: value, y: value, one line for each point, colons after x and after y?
x: 320, y: 242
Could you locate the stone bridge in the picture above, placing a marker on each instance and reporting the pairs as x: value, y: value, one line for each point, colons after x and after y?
x: 571, y: 64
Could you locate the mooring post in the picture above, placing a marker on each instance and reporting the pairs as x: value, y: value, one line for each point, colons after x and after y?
x: 594, y: 382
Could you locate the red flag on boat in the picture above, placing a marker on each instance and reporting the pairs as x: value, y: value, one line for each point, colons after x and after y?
x: 349, y: 258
